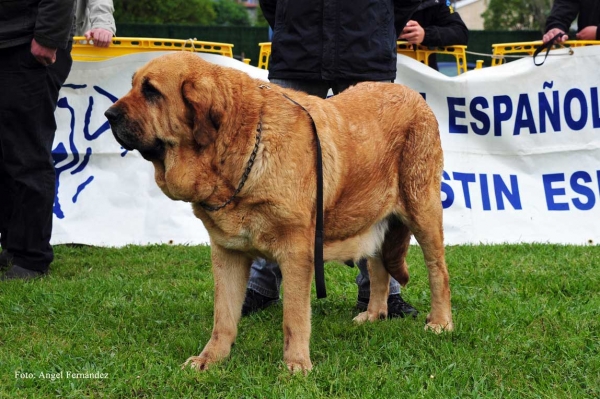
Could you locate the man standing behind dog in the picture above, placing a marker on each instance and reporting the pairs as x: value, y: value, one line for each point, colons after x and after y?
x: 35, y: 52
x: 320, y: 45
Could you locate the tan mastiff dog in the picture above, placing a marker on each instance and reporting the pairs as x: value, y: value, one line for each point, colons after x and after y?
x: 200, y: 124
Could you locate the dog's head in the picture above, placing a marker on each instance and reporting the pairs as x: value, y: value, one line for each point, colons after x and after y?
x: 172, y: 116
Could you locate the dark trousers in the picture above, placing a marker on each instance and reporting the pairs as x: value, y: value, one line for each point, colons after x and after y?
x: 318, y: 88
x: 28, y: 97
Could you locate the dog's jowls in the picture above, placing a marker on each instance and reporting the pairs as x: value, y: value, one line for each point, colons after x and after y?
x: 197, y: 123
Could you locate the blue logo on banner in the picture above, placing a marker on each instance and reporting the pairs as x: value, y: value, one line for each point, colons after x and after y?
x: 62, y: 150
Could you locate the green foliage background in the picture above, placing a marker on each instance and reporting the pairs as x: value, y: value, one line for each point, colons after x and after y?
x: 199, y: 12
x: 517, y: 14
x: 230, y: 13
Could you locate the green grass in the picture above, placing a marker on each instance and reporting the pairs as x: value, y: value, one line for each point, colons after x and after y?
x: 527, y: 321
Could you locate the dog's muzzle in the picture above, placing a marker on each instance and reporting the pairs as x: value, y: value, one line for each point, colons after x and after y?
x: 129, y: 134
x: 116, y: 119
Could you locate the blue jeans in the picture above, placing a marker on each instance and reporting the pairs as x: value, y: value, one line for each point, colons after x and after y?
x: 265, y: 277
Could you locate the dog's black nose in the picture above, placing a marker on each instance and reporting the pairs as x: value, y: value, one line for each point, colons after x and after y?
x: 113, y: 114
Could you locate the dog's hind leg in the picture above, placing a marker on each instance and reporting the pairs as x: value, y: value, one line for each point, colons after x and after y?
x: 380, y: 281
x: 230, y: 270
x: 394, y: 249
x: 425, y: 222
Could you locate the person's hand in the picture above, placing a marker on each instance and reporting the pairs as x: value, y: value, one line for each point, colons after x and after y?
x: 587, y: 33
x: 553, y: 32
x: 44, y: 55
x: 101, y: 37
x: 413, y: 33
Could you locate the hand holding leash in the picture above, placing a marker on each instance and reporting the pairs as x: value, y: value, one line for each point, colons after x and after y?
x: 557, y: 38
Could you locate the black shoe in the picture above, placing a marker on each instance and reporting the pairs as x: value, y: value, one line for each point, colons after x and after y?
x: 397, y: 307
x: 20, y: 273
x: 5, y: 259
x: 255, y: 302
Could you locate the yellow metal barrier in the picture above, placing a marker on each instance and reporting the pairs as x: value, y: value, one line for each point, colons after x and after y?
x: 528, y: 48
x: 422, y: 53
x: 264, y: 54
x: 83, y: 50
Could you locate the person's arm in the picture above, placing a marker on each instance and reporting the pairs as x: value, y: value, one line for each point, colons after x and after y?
x: 447, y: 29
x: 589, y: 33
x: 561, y: 16
x: 54, y: 22
x: 52, y: 29
x: 268, y: 8
x: 403, y: 10
x: 102, y: 22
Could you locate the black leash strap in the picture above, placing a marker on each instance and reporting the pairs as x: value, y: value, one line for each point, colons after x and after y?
x: 318, y: 258
x: 546, y: 46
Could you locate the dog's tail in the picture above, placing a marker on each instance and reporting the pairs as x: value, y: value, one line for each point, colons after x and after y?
x: 394, y: 249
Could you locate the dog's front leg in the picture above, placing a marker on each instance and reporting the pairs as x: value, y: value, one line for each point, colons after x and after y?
x: 297, y: 271
x: 230, y: 271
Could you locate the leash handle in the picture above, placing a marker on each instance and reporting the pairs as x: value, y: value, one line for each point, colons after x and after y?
x: 546, y: 46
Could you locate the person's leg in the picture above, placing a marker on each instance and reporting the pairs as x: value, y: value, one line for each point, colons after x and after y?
x: 317, y: 88
x: 28, y: 127
x: 265, y: 278
x: 5, y: 194
x: 263, y: 286
x: 340, y: 85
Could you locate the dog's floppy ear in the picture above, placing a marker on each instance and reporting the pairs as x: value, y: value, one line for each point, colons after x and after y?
x: 206, y: 108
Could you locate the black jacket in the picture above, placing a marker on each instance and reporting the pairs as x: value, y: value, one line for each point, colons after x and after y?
x: 564, y: 13
x: 48, y: 21
x: 335, y: 39
x: 442, y: 26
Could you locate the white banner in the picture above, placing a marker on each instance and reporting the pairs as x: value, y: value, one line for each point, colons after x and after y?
x: 521, y: 146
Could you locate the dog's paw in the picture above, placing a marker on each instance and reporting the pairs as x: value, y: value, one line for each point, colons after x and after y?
x: 373, y: 316
x: 297, y: 366
x: 438, y: 328
x: 199, y: 363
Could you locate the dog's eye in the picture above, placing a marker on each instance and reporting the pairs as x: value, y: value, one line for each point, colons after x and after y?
x: 150, y: 92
